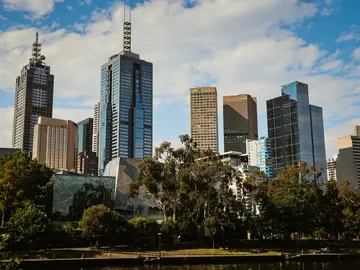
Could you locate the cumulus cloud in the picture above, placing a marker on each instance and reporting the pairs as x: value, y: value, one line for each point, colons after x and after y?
x: 242, y: 46
x: 35, y: 7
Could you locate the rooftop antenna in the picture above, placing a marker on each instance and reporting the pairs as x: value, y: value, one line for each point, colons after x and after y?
x: 37, y: 57
x: 127, y: 28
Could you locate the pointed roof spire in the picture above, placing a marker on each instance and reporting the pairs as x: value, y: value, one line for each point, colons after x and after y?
x: 127, y: 28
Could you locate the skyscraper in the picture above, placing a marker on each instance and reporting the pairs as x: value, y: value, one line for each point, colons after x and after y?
x: 203, y: 117
x: 85, y: 135
x: 125, y: 128
x: 56, y: 143
x: 260, y: 155
x: 34, y: 92
x: 95, y: 143
x: 296, y: 129
x: 240, y: 121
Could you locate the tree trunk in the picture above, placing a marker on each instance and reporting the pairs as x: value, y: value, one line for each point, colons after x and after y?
x: 213, y: 240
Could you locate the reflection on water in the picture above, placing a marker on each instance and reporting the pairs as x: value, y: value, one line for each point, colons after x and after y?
x: 253, y: 266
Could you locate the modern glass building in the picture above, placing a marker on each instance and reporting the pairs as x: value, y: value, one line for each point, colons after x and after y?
x: 296, y: 129
x: 66, y: 185
x: 85, y: 133
x: 264, y: 156
x: 125, y: 109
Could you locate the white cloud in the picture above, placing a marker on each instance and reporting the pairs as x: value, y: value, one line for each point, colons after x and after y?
x: 352, y: 34
x: 36, y: 7
x: 242, y: 46
x: 356, y: 53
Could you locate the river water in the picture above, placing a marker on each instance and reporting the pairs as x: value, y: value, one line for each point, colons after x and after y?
x: 354, y: 265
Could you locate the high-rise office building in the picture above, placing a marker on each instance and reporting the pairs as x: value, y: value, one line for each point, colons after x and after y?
x: 203, y: 117
x: 96, y: 119
x: 240, y: 121
x: 296, y: 129
x: 331, y: 168
x: 56, y: 143
x: 34, y: 92
x: 85, y: 135
x: 260, y: 155
x: 348, y: 162
x: 125, y: 127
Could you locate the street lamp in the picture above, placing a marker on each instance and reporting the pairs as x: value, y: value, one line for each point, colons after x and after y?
x: 159, y: 234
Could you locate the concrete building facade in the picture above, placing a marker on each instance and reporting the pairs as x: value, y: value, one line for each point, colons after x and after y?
x: 96, y: 119
x: 87, y: 163
x: 331, y: 168
x: 203, y: 118
x: 348, y: 162
x: 240, y: 121
x: 34, y: 91
x: 297, y: 130
x: 56, y: 143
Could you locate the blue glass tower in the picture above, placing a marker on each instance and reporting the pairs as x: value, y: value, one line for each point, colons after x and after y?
x: 264, y: 156
x: 296, y: 129
x: 125, y: 128
x: 85, y: 135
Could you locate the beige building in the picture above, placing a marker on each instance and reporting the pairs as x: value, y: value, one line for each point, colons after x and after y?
x: 56, y: 143
x: 240, y: 121
x: 348, y: 162
x: 203, y: 117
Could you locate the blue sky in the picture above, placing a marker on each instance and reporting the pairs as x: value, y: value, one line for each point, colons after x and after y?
x: 239, y: 46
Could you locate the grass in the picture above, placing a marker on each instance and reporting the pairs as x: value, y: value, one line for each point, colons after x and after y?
x: 90, y: 253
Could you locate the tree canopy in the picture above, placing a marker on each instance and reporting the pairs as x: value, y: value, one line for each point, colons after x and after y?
x: 23, y: 180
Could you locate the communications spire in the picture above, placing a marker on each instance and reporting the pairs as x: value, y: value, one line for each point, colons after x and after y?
x: 127, y: 28
x: 36, y: 51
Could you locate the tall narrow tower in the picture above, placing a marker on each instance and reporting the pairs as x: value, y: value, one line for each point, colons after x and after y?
x: 34, y: 93
x: 125, y: 123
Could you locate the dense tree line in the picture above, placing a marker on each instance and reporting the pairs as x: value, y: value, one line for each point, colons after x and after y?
x: 193, y: 190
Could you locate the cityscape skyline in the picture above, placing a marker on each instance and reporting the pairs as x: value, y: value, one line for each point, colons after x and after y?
x: 158, y: 117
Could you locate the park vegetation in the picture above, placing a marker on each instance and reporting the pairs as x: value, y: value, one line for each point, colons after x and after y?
x: 194, y: 195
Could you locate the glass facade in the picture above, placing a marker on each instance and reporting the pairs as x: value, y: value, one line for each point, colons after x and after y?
x: 125, y: 128
x: 85, y: 135
x: 296, y: 129
x: 264, y: 156
x: 66, y: 185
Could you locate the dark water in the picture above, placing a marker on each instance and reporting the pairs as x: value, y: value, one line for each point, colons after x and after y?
x: 253, y: 266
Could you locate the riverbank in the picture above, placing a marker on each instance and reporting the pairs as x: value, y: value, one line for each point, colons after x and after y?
x: 181, y: 260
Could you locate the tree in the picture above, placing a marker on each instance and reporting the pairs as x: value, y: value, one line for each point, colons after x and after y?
x: 28, y: 226
x: 211, y: 228
x: 145, y: 227
x: 190, y: 185
x: 23, y: 180
x: 99, y: 220
x: 161, y: 174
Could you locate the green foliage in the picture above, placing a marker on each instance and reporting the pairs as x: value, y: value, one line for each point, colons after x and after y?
x: 188, y: 188
x: 23, y: 180
x: 99, y: 220
x: 28, y: 227
x: 145, y: 227
x: 8, y: 262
